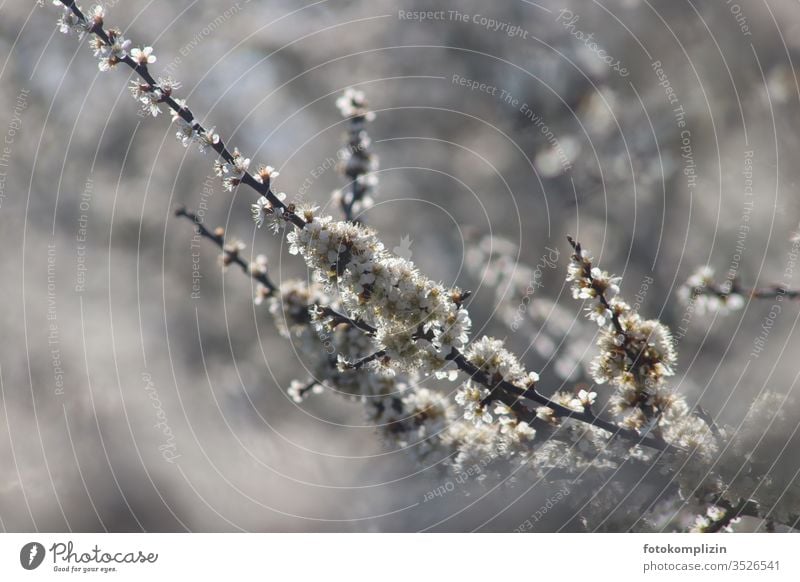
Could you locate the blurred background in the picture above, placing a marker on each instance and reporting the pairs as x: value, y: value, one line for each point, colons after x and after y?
x: 137, y: 395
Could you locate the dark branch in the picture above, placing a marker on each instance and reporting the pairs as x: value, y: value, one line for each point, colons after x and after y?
x: 339, y: 318
x: 262, y: 189
x: 576, y: 246
x: 357, y: 365
x: 218, y: 238
x: 586, y: 415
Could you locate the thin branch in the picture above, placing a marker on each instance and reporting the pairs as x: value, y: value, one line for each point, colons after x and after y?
x: 576, y: 246
x: 357, y: 167
x: 723, y: 291
x: 339, y: 318
x: 586, y: 415
x: 510, y: 394
x: 231, y: 256
x: 263, y: 188
x: 358, y: 364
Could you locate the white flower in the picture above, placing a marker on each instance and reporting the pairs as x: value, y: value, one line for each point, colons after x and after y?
x: 168, y: 85
x: 715, y: 513
x: 239, y: 164
x: 502, y: 409
x: 147, y: 96
x: 584, y: 399
x: 265, y: 174
x: 143, y: 56
x: 449, y: 375
x: 706, y: 297
x: 353, y: 104
x: 112, y: 54
x: 185, y: 133
x: 599, y: 313
x: 69, y: 23
x: 298, y: 390
x: 259, y: 266
x: 605, y: 283
x: 221, y: 168
x: 262, y: 293
x: 233, y: 171
x: 700, y: 525
x: 493, y: 359
x: 734, y: 301
x: 702, y: 277
x: 471, y: 398
x: 207, y: 139
x: 97, y: 13
x: 259, y: 210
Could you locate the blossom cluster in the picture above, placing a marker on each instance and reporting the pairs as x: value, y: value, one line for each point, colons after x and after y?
x: 493, y: 360
x: 706, y: 296
x: 418, y: 322
x: 636, y: 356
x: 712, y: 519
x: 356, y: 161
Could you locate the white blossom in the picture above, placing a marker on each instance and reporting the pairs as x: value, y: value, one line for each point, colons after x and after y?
x: 185, y: 133
x: 472, y: 398
x: 143, y: 56
x: 69, y: 23
x: 110, y: 54
x: 584, y: 399
x: 207, y: 139
x: 353, y: 103
x: 265, y: 174
x: 706, y: 297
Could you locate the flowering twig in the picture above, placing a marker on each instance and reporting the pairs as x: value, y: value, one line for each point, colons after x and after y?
x: 112, y: 49
x: 230, y: 254
x: 707, y: 294
x: 600, y: 286
x: 510, y: 394
x: 357, y: 161
x: 358, y: 364
x: 559, y: 410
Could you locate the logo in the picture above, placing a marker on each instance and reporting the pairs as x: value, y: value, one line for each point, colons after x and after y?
x: 403, y: 250
x: 31, y: 555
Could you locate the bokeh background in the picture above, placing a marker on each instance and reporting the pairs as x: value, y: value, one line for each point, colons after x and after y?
x: 129, y: 404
